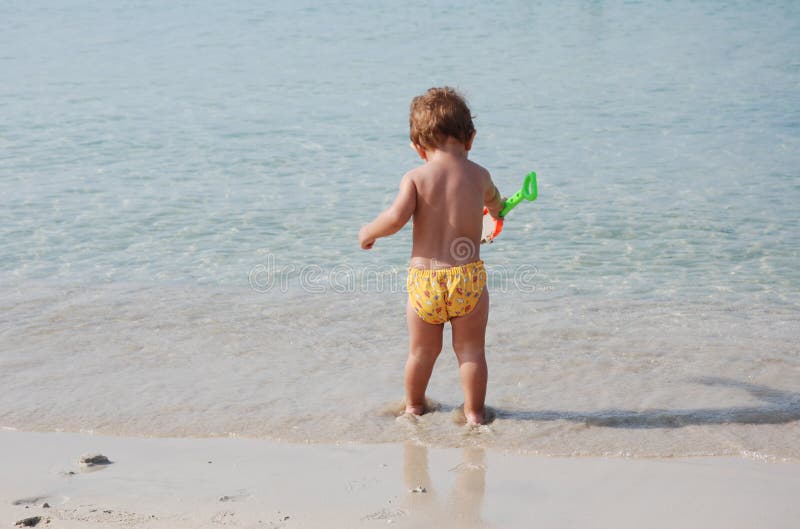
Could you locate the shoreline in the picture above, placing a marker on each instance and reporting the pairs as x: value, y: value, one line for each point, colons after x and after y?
x: 189, y: 483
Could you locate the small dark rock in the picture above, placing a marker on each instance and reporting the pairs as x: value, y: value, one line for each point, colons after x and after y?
x: 33, y: 521
x: 94, y: 460
x: 45, y: 505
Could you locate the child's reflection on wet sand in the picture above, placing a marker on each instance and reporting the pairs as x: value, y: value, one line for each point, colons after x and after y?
x: 462, y: 508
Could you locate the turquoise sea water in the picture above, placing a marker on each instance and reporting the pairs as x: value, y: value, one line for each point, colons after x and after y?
x: 181, y: 186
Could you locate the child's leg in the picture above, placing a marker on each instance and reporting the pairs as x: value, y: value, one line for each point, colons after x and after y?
x: 425, y: 344
x: 469, y: 336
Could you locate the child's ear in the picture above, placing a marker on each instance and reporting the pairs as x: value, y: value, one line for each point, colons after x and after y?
x: 420, y: 150
x: 468, y: 145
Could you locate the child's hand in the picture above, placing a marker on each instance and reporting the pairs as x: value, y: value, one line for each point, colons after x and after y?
x: 495, y: 209
x: 364, y: 240
x: 496, y: 214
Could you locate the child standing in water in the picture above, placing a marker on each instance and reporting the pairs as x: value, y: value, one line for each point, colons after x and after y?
x: 446, y: 278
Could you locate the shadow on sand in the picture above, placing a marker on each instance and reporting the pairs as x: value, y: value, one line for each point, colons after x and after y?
x: 779, y: 407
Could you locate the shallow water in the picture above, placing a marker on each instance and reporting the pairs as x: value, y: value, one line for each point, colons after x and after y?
x: 181, y: 188
x: 567, y: 376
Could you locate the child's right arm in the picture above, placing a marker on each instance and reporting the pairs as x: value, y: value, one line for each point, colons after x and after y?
x: 393, y: 218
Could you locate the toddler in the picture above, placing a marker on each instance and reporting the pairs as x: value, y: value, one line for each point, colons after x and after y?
x: 446, y: 278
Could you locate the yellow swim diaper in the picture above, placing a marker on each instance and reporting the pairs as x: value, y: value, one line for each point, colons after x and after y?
x: 439, y: 295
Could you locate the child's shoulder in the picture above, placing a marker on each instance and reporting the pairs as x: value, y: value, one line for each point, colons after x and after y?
x: 480, y: 172
x: 478, y: 168
x: 416, y: 175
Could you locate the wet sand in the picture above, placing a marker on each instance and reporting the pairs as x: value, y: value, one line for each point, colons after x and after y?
x: 192, y: 483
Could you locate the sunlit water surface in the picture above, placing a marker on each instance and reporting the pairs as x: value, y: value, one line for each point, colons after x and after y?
x: 181, y: 187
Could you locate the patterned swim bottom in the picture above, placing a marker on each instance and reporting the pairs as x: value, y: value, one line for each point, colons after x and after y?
x: 441, y: 294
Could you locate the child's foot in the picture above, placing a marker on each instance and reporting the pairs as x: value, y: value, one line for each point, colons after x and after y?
x: 415, y: 409
x: 485, y: 416
x: 428, y: 406
x: 475, y: 418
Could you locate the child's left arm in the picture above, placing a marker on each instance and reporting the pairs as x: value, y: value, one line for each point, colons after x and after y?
x: 492, y: 199
x: 393, y: 218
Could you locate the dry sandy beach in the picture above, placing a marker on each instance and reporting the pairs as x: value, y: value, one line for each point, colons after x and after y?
x: 194, y: 483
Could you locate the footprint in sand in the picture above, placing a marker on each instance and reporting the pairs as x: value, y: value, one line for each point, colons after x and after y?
x: 99, y: 515
x: 30, y: 501
x: 385, y: 514
x: 224, y: 518
x: 240, y: 495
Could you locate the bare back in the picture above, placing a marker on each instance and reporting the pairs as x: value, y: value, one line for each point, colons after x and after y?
x: 448, y: 217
